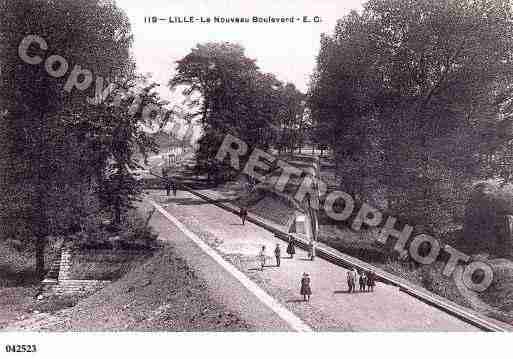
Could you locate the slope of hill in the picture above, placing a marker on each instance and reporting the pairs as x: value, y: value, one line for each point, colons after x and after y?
x: 163, y: 294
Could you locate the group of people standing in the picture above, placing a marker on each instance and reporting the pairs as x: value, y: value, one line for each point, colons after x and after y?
x: 169, y: 184
x: 305, y: 290
x: 365, y: 280
x: 262, y: 256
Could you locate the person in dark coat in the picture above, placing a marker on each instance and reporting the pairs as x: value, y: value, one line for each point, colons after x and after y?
x: 363, y: 282
x: 243, y: 214
x: 175, y: 188
x: 277, y: 254
x: 371, y: 281
x: 291, y: 250
x: 306, y: 290
x: 311, y: 250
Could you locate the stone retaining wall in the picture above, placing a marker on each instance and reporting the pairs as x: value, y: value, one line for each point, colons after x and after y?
x: 65, y: 265
x: 59, y: 279
x: 63, y: 285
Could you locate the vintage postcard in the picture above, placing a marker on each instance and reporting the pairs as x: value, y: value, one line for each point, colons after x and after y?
x: 199, y: 166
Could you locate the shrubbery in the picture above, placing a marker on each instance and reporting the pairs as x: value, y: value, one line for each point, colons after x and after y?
x: 133, y: 235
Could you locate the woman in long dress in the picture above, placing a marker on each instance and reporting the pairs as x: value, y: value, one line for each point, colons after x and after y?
x: 306, y: 290
x: 371, y: 281
x: 291, y: 250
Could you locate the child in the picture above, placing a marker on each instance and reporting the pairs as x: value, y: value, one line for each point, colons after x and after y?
x: 311, y: 250
x: 306, y: 290
x: 350, y: 281
x: 371, y: 281
x: 356, y: 279
x: 291, y: 250
x: 363, y: 282
x: 277, y: 254
x: 243, y: 214
x: 261, y: 256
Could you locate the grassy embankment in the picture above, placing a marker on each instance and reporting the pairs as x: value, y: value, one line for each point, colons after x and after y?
x: 151, y: 290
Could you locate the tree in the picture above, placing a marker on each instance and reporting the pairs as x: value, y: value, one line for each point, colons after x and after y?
x: 45, y: 156
x: 235, y: 98
x: 408, y: 88
x: 291, y: 117
x: 117, y: 132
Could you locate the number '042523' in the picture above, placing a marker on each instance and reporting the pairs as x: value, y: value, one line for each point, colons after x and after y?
x: 16, y: 348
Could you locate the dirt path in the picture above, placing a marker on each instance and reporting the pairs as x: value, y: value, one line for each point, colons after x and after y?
x: 222, y: 286
x: 330, y: 308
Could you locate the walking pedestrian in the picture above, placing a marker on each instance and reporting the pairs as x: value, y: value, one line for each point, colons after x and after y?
x: 350, y: 281
x: 243, y: 214
x: 371, y: 281
x: 261, y: 256
x: 311, y: 250
x: 306, y: 290
x: 363, y: 282
x: 291, y: 250
x: 175, y: 188
x: 277, y: 254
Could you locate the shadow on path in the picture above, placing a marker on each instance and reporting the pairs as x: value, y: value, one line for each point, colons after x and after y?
x: 193, y: 202
x: 341, y: 292
x: 296, y: 301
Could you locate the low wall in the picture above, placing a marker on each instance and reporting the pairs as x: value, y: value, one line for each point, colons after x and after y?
x: 65, y: 283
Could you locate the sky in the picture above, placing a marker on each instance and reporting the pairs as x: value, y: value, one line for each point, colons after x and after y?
x: 286, y: 50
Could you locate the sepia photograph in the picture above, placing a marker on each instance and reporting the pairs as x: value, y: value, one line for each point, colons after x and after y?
x: 187, y: 168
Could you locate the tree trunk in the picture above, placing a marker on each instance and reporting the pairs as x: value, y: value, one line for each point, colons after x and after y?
x: 117, y: 207
x: 40, y: 256
x: 40, y: 221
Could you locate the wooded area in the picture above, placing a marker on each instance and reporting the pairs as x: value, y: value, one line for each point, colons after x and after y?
x: 414, y: 98
x: 236, y: 97
x: 66, y: 164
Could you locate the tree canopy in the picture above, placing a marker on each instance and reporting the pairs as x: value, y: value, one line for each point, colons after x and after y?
x: 236, y: 98
x: 63, y: 156
x: 410, y: 89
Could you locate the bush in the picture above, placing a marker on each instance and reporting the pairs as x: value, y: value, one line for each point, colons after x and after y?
x: 134, y: 235
x: 484, y: 218
x: 138, y: 235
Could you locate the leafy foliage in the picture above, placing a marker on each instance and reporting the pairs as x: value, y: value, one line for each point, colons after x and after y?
x: 412, y: 93
x: 64, y: 159
x: 235, y: 98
